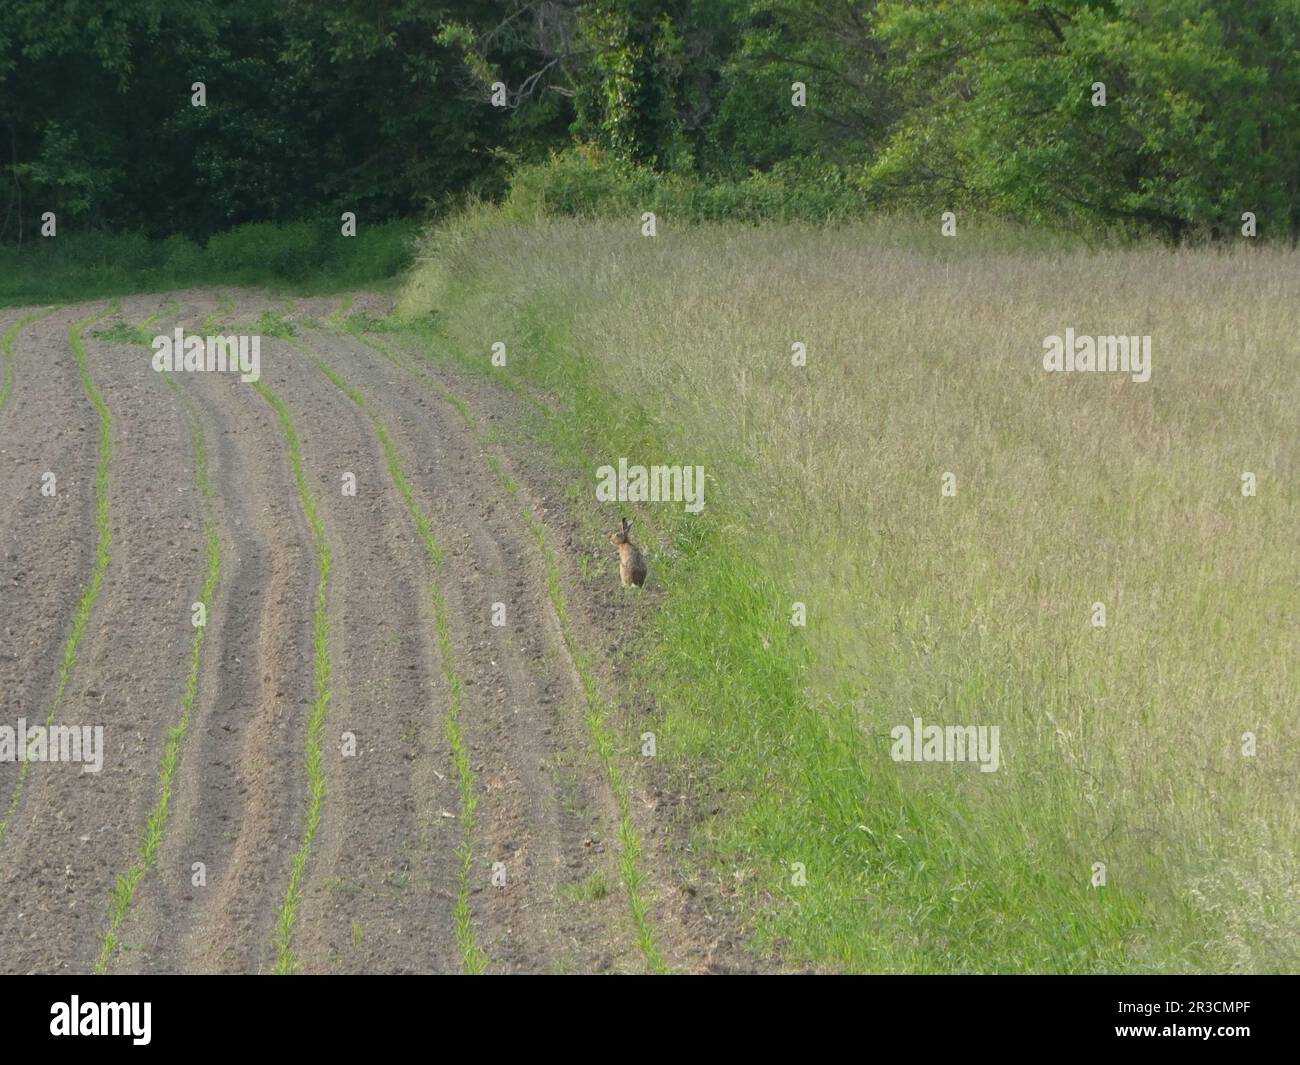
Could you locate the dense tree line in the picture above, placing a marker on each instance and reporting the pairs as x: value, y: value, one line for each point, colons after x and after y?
x: 1172, y: 115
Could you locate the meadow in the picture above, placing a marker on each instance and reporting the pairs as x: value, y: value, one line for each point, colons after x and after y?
x: 1143, y: 817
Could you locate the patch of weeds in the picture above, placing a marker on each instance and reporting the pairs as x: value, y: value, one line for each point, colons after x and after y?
x: 365, y: 322
x: 121, y: 332
x: 399, y: 878
x: 592, y: 888
x: 275, y: 324
x: 569, y: 790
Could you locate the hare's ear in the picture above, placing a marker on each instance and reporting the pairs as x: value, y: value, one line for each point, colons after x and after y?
x: 627, y: 526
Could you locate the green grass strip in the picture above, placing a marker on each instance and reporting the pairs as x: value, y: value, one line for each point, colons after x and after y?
x: 6, y: 386
x: 156, y: 825
x: 103, y: 549
x: 288, y: 915
x: 597, y: 712
x: 472, y: 956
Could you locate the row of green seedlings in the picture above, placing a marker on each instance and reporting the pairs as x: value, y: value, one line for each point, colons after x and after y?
x: 7, y: 346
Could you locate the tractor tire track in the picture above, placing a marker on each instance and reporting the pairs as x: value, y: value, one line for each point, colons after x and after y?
x: 380, y: 892
x: 157, y: 824
x: 238, y: 799
x: 90, y: 592
x: 542, y: 819
x: 286, y: 961
x: 46, y: 555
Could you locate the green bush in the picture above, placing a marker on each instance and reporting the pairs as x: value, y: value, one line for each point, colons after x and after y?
x: 181, y: 257
x: 585, y: 183
x: 288, y: 251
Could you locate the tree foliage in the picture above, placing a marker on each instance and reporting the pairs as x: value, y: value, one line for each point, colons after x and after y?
x: 387, y: 109
x: 1201, y: 119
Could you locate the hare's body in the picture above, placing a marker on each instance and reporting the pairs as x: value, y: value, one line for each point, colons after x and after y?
x: 631, y: 562
x: 631, y: 565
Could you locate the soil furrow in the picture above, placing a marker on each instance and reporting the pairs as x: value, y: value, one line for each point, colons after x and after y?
x: 681, y: 920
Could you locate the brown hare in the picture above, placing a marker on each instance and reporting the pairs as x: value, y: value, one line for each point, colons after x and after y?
x: 631, y: 562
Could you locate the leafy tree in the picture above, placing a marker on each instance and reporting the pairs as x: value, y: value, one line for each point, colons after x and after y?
x: 1201, y: 119
x: 830, y: 46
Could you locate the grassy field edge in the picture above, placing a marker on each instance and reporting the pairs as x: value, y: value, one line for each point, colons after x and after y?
x: 833, y: 859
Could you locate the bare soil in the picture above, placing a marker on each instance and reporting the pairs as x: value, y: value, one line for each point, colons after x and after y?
x: 383, y: 874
